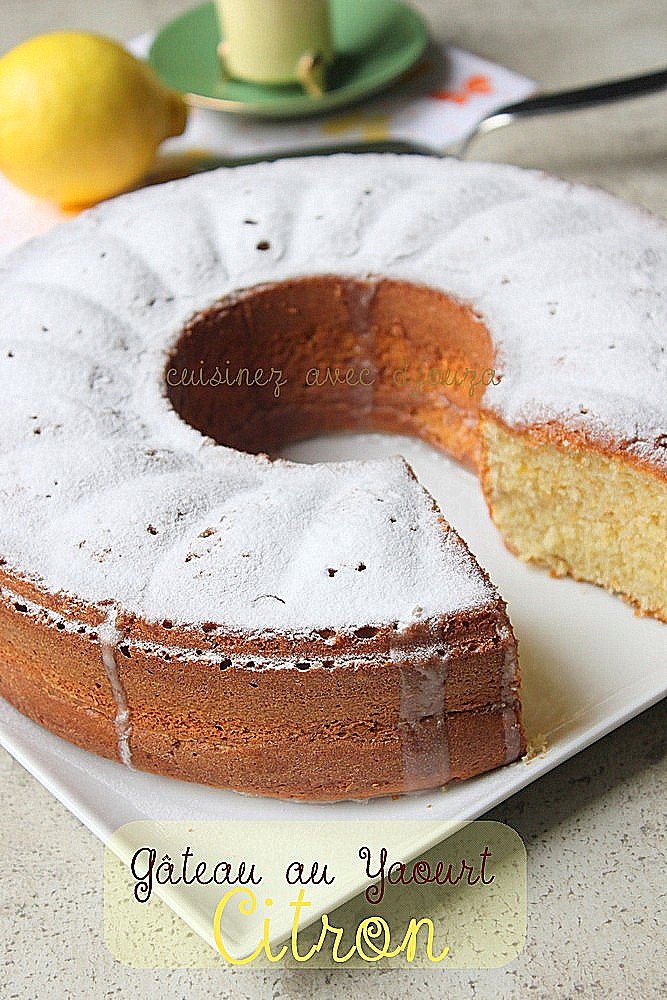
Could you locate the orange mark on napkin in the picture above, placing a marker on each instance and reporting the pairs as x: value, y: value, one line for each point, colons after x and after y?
x: 473, y: 85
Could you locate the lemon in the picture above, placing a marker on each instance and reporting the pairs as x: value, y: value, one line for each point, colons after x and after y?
x: 80, y: 118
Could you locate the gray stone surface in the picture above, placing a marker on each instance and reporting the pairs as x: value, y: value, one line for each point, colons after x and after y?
x: 594, y: 829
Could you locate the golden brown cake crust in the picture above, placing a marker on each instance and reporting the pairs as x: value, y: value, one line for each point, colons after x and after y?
x: 337, y: 729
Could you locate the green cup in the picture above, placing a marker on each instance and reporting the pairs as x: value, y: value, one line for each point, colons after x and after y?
x: 276, y: 41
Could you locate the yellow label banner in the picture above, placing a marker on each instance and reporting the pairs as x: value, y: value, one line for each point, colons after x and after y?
x: 374, y: 894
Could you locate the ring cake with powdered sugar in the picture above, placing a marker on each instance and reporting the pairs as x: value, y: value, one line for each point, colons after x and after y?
x: 175, y: 599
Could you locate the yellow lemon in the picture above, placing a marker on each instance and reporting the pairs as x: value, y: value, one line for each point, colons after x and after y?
x: 80, y: 118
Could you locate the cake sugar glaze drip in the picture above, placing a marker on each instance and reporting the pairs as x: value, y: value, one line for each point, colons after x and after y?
x: 509, y: 695
x: 109, y: 639
x: 422, y: 705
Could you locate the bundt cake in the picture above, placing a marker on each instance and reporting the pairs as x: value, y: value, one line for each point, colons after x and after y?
x: 176, y: 599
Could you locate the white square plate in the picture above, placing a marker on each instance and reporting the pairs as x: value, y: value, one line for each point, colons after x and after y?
x: 588, y: 665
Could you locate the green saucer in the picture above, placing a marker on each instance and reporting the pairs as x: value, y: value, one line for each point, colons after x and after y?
x: 375, y: 41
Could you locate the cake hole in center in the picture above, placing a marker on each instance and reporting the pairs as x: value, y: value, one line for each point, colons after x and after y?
x: 293, y: 360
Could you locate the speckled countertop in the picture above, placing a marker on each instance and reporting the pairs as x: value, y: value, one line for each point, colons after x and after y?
x: 594, y: 829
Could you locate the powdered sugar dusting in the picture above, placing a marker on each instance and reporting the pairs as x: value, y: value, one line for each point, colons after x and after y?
x: 106, y: 494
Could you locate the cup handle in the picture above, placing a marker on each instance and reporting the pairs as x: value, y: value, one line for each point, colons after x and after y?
x: 222, y: 50
x: 310, y: 73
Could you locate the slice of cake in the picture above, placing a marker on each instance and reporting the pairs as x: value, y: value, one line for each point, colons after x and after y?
x: 422, y: 689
